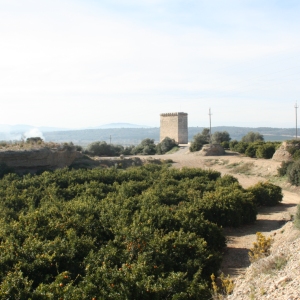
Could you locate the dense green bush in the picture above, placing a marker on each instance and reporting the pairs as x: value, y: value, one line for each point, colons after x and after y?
x: 266, y: 151
x: 251, y: 151
x: 104, y: 149
x: 266, y: 193
x: 240, y: 147
x: 297, y: 217
x: 291, y: 168
x: 144, y: 233
x: 282, y: 170
x: 219, y: 137
x: 225, y: 145
x: 165, y: 145
x: 251, y: 137
x: 146, y: 147
x: 293, y: 173
x: 228, y: 206
x: 258, y: 149
x: 200, y: 139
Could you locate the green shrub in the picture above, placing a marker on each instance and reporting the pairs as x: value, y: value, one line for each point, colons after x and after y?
x: 232, y: 144
x: 165, y: 145
x: 265, y: 151
x: 200, y: 139
x: 139, y: 233
x: 251, y: 137
x: 146, y: 147
x: 293, y: 173
x: 297, y: 217
x: 282, y: 170
x: 266, y: 193
x: 250, y: 151
x: 261, y: 248
x: 104, y: 149
x: 296, y: 155
x: 225, y: 145
x: 241, y: 147
x: 228, y: 206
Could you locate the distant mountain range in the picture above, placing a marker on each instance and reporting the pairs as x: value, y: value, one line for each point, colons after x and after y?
x: 133, y: 136
x: 119, y: 125
x: 128, y: 134
x: 21, y: 128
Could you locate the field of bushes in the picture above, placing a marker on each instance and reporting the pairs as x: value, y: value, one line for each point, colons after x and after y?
x: 149, y: 232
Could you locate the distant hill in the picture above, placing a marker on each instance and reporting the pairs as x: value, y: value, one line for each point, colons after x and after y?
x: 120, y: 125
x: 21, y: 128
x: 133, y: 136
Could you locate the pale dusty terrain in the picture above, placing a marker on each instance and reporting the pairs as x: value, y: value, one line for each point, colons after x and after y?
x: 248, y: 171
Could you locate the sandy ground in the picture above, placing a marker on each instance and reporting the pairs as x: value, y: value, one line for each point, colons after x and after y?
x: 248, y: 171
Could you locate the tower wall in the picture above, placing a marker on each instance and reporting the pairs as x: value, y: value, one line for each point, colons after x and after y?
x: 174, y: 126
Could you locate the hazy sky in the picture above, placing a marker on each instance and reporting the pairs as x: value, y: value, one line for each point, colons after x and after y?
x: 85, y: 63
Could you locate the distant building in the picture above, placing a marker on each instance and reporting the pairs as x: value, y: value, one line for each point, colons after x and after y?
x: 174, y: 126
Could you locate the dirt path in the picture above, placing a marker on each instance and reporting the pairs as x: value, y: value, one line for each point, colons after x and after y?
x: 248, y: 171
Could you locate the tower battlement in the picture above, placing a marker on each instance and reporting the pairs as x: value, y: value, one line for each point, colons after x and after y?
x: 173, y: 114
x: 175, y: 126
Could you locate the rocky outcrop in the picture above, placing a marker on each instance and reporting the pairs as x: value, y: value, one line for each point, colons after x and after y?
x: 34, y: 160
x: 277, y: 276
x: 212, y: 150
x: 282, y: 153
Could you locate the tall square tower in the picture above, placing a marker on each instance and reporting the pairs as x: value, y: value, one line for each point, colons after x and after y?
x: 174, y: 126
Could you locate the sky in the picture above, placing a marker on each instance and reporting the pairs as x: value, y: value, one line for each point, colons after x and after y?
x: 85, y: 63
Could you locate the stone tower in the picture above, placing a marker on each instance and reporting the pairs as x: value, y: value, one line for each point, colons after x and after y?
x: 174, y: 126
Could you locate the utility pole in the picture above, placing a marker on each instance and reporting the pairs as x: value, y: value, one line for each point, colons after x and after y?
x: 296, y: 107
x: 209, y: 126
x: 110, y: 139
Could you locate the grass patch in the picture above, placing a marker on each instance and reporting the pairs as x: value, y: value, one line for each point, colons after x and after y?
x: 211, y: 162
x: 242, y: 168
x: 173, y: 150
x: 297, y: 217
x: 271, y: 264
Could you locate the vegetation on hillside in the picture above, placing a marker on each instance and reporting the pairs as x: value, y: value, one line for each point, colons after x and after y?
x: 256, y: 149
x: 146, y: 147
x: 147, y: 232
x: 205, y: 137
x: 133, y: 136
x: 292, y: 168
x: 36, y: 143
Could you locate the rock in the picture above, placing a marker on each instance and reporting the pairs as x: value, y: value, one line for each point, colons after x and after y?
x: 212, y: 150
x: 282, y: 154
x: 282, y: 280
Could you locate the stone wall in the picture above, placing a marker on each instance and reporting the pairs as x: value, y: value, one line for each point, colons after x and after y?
x: 174, y: 126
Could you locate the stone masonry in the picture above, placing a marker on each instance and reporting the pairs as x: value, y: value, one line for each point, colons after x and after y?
x: 174, y: 126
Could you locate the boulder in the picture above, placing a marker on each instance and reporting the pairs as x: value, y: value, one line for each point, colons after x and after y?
x: 282, y: 153
x: 212, y: 150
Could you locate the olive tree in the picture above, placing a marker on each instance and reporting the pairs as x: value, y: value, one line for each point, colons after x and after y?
x: 146, y: 147
x: 251, y: 137
x: 220, y: 136
x: 165, y: 145
x: 200, y: 139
